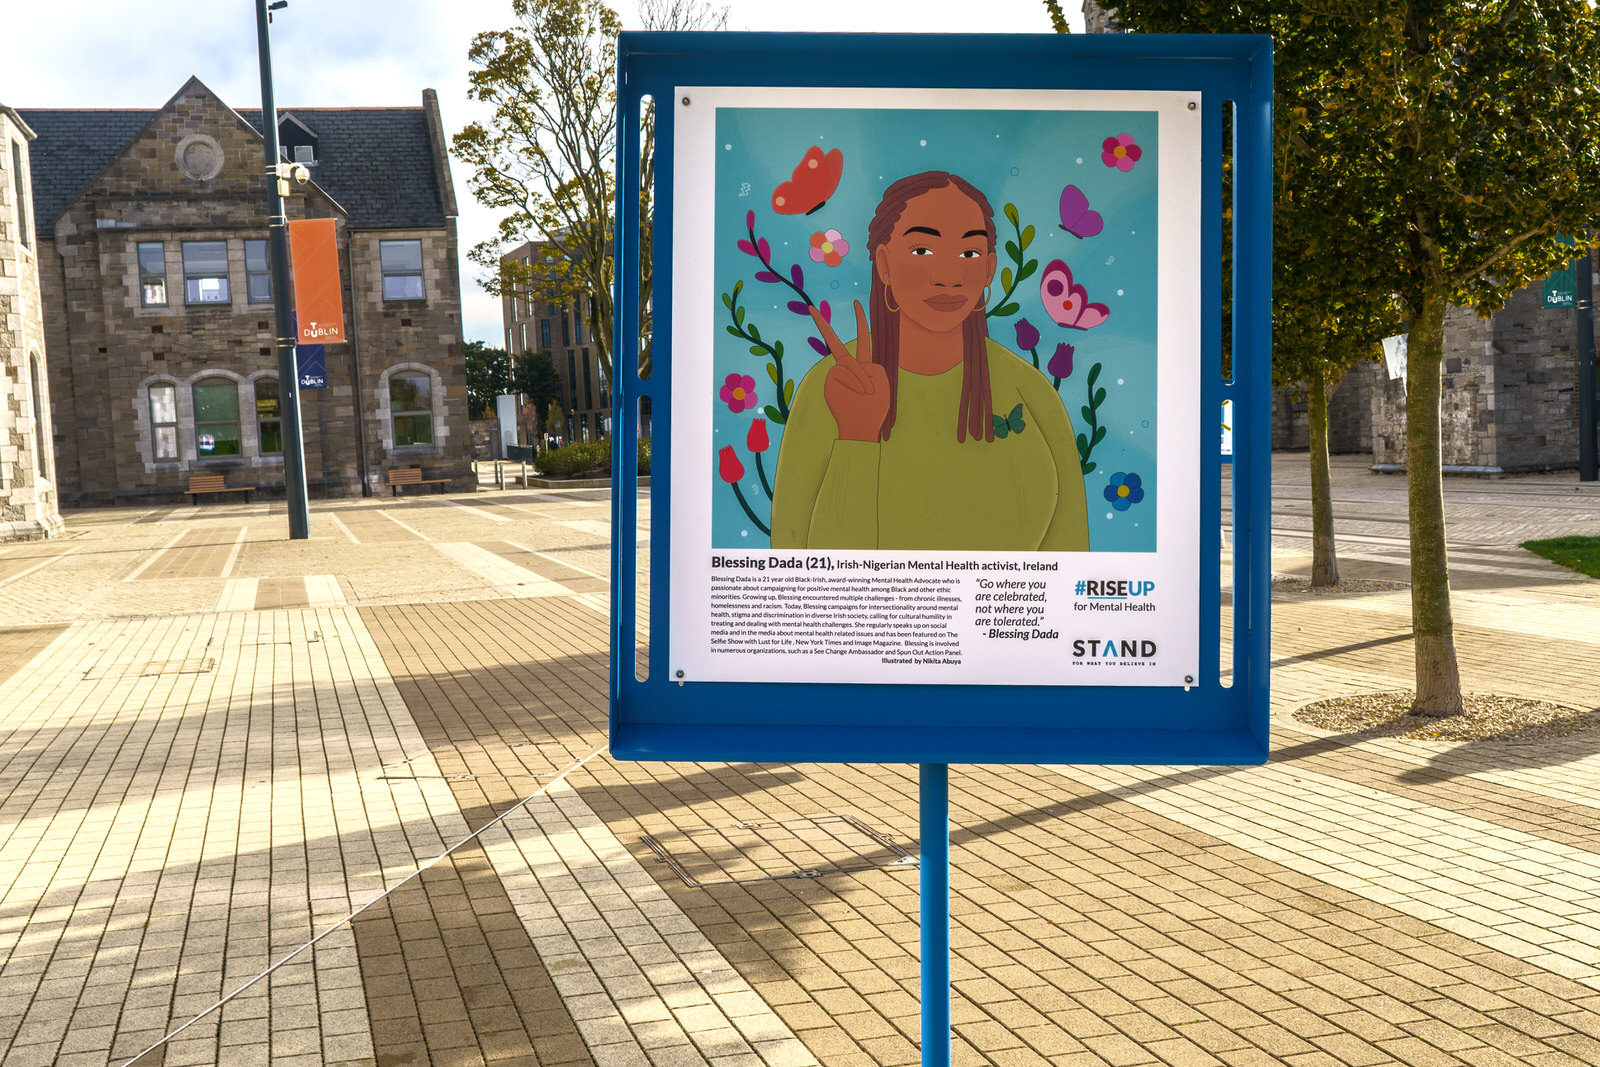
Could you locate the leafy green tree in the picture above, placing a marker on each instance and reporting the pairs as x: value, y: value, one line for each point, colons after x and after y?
x: 547, y: 158
x: 488, y: 375
x: 555, y: 420
x: 536, y: 379
x: 1459, y: 139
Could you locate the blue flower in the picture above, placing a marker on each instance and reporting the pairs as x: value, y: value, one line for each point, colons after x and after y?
x: 1124, y: 491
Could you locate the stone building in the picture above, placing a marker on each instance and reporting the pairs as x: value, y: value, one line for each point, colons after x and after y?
x: 152, y: 244
x: 27, y: 475
x: 1510, y: 399
x: 542, y: 325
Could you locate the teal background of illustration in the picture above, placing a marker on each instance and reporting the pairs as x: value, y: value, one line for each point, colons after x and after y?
x: 1024, y: 158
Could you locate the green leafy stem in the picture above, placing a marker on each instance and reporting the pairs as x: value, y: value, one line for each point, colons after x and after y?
x: 1087, y: 441
x: 1009, y: 279
x: 751, y: 335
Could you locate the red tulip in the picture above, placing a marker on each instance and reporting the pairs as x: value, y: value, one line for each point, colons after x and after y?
x: 729, y: 466
x: 756, y: 439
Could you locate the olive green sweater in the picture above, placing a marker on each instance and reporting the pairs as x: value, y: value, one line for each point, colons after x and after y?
x: 921, y: 489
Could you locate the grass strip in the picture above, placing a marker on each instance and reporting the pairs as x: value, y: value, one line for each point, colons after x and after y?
x: 1581, y: 554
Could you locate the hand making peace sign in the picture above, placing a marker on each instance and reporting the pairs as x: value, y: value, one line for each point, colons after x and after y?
x: 856, y: 389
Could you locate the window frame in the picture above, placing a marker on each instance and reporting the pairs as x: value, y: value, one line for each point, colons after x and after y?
x: 191, y: 278
x: 19, y: 182
x: 265, y: 273
x: 386, y: 273
x: 35, y: 372
x: 275, y: 419
x: 424, y: 413
x: 200, y: 425
x: 148, y: 278
x: 156, y: 425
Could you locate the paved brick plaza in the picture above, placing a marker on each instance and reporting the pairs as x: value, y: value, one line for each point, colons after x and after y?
x: 216, y: 744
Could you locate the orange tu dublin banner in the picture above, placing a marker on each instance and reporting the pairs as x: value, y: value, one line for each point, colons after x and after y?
x: 314, y: 251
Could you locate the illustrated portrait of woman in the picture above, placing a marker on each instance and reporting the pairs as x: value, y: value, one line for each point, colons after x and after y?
x: 923, y: 433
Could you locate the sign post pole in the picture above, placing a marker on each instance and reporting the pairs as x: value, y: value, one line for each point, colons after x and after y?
x: 1583, y: 300
x: 294, y: 465
x: 935, y: 878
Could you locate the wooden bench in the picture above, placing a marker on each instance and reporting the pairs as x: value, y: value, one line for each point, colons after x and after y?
x: 212, y: 483
x: 394, y: 479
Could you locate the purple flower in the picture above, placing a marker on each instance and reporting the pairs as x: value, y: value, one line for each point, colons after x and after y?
x: 1027, y: 335
x: 1061, y: 363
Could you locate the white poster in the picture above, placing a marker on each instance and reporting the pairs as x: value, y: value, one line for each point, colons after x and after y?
x: 936, y: 386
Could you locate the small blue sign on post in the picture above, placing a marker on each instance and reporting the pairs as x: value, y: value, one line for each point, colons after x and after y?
x: 312, y: 365
x: 936, y: 371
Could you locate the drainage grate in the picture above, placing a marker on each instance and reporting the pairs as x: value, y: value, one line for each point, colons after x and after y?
x: 762, y: 851
x: 197, y: 665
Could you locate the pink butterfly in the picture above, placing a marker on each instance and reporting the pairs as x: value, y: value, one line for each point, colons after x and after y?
x: 1067, y: 302
x: 1076, y: 218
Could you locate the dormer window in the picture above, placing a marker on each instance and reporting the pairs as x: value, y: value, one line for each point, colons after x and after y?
x: 297, y: 141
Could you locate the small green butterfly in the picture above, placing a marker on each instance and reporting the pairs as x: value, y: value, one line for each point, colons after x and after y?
x: 1009, y: 424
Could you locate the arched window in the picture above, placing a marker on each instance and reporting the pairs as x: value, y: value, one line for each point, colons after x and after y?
x: 216, y: 417
x: 164, y: 421
x: 269, y: 417
x: 38, y: 417
x: 411, y: 409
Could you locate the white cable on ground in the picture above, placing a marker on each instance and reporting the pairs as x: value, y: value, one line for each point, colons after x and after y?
x: 531, y: 796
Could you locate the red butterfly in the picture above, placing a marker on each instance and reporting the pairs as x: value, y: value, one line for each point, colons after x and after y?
x: 813, y: 181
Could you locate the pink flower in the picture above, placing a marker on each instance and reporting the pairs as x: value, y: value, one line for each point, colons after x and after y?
x: 1120, y: 152
x: 738, y: 392
x: 829, y: 246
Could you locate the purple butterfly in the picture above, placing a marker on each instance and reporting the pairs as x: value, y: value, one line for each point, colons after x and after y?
x: 1076, y: 218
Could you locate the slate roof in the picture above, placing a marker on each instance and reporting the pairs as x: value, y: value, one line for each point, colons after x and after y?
x: 377, y: 163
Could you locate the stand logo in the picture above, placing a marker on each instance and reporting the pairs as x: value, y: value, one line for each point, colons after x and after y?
x: 1121, y: 651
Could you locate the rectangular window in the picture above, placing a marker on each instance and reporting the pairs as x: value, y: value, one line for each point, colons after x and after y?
x: 152, y: 274
x: 524, y: 328
x: 269, y: 416
x: 566, y: 327
x: 544, y: 333
x: 411, y: 409
x: 572, y: 380
x: 401, y: 262
x: 588, y: 384
x: 24, y: 230
x: 205, y: 272
x: 257, y: 273
x: 216, y: 418
x: 164, y: 422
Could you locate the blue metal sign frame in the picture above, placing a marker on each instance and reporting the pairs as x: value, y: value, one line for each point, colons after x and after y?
x: 1207, y: 722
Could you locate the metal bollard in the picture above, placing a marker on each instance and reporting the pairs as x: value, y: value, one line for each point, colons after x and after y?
x: 524, y: 474
x: 499, y: 475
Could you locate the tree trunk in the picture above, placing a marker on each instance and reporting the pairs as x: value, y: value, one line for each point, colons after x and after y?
x: 1438, y: 677
x: 1324, y: 557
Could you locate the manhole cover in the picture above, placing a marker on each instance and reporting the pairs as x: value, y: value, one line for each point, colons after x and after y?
x: 791, y: 848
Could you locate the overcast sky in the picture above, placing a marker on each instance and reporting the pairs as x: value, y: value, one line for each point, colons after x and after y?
x: 355, y: 53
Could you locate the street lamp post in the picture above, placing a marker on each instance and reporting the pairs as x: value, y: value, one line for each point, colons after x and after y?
x: 294, y: 463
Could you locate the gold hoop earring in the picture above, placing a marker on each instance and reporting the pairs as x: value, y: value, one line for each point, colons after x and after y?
x: 986, y: 296
x: 887, y: 292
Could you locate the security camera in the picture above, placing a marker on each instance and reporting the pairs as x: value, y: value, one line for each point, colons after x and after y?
x: 302, y: 173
